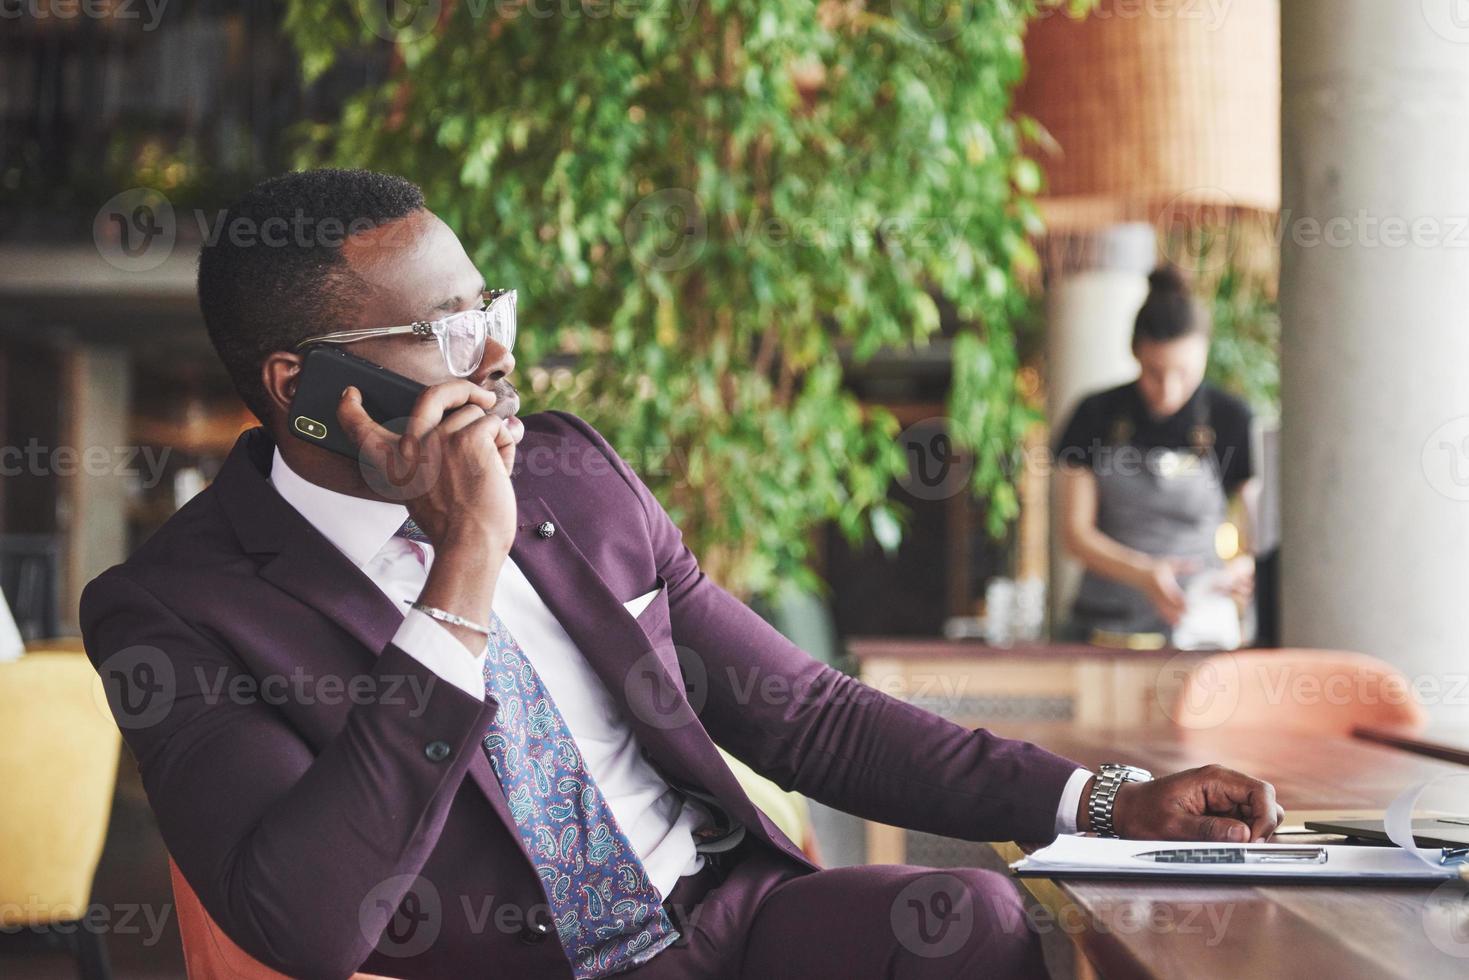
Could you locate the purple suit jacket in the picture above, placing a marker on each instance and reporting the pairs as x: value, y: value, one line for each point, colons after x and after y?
x: 325, y: 793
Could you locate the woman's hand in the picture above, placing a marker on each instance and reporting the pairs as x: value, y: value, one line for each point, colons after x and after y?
x: 1238, y: 579
x: 1159, y: 582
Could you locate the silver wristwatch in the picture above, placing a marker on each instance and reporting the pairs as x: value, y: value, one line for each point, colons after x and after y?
x: 1104, y: 794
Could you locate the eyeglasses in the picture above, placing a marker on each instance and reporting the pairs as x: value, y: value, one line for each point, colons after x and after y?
x: 461, y: 336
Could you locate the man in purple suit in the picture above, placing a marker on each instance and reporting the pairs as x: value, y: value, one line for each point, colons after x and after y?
x: 451, y: 708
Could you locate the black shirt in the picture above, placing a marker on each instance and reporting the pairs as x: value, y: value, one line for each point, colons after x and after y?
x: 1212, y: 421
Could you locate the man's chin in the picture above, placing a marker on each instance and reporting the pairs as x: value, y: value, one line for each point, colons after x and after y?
x: 516, y: 428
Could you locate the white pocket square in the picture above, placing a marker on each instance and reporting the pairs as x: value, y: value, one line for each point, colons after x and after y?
x: 636, y: 606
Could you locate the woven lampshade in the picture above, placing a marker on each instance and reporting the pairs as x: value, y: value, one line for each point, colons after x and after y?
x: 1156, y: 104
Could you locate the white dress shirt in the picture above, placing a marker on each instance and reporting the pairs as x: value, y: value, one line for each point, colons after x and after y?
x: 1071, y: 801
x: 658, y: 821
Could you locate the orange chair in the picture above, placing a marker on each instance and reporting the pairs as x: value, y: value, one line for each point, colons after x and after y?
x: 1324, y: 692
x: 208, y: 953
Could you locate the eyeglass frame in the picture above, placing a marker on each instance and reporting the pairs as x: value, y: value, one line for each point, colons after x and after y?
x: 430, y: 328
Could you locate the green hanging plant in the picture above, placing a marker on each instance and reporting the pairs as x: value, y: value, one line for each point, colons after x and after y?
x: 704, y: 206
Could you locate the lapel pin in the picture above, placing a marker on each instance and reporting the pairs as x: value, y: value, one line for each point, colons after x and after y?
x: 545, y: 529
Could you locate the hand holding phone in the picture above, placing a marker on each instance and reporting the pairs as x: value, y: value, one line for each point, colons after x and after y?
x: 326, y: 372
x: 438, y: 450
x: 450, y: 466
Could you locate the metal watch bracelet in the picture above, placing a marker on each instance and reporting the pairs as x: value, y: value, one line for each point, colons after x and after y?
x: 1103, y: 798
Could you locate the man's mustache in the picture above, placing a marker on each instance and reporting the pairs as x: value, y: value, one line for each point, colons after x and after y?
x: 505, y: 393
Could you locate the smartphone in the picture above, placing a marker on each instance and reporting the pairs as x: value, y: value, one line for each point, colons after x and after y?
x: 327, y: 372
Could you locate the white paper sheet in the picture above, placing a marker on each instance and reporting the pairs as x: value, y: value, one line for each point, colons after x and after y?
x: 1398, y: 821
x: 11, y: 644
x: 1075, y: 855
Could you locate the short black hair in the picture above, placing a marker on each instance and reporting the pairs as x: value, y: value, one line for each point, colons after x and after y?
x: 1169, y: 312
x: 272, y: 272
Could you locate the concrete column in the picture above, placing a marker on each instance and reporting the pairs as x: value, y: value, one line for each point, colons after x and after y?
x: 95, y: 490
x: 1098, y: 281
x: 1375, y: 309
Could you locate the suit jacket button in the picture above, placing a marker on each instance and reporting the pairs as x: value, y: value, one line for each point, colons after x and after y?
x: 545, y: 529
x: 437, y: 751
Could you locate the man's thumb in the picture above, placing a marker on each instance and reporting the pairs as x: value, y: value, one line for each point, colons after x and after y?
x: 1219, y: 829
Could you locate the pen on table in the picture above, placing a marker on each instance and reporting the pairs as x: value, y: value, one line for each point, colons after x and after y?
x: 1236, y: 855
x: 1454, y: 856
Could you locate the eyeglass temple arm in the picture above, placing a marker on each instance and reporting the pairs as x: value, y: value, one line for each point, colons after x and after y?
x: 347, y: 336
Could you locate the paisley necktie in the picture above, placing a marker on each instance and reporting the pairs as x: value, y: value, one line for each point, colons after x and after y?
x: 609, y: 916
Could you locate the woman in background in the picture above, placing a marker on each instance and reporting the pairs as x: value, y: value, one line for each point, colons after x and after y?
x: 1147, y: 473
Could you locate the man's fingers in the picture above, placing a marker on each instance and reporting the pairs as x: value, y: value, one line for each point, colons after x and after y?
x: 461, y: 417
x: 372, y: 440
x: 1268, y: 815
x: 493, y: 428
x: 1222, y: 829
x: 438, y: 400
x: 1253, y: 799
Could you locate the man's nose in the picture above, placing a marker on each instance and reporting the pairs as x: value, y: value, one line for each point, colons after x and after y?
x: 496, y: 363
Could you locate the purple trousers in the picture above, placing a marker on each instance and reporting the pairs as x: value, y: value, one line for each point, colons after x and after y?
x: 764, y: 918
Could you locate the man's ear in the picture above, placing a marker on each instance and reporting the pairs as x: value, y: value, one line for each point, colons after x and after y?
x: 280, y: 374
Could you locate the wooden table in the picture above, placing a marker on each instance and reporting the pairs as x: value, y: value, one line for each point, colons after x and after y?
x: 1151, y: 929
x: 1436, y: 741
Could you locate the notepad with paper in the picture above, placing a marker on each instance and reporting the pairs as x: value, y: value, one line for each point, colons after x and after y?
x: 1098, y: 857
x: 1073, y: 856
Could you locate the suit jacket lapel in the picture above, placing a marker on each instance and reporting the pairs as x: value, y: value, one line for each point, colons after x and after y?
x: 312, y: 570
x: 297, y: 558
x: 645, y: 680
x: 641, y: 677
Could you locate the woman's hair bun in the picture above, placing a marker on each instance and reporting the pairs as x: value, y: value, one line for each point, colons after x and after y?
x: 1170, y: 311
x: 1167, y: 279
